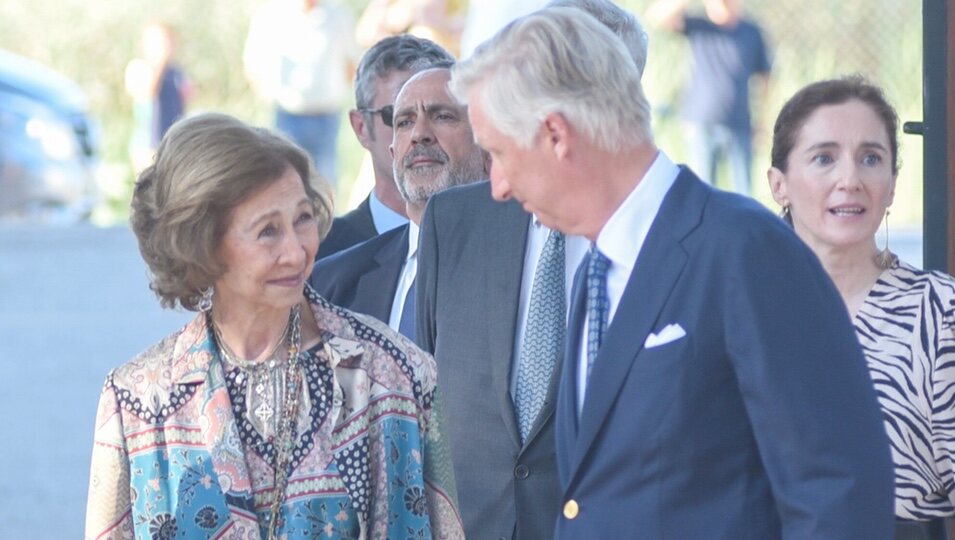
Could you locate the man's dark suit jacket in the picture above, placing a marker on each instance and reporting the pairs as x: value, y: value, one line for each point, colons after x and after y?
x: 364, y: 277
x: 760, y: 422
x: 470, y: 265
x: 348, y: 230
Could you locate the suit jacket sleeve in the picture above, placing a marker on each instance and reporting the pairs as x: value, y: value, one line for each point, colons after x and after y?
x: 808, y: 393
x: 426, y: 280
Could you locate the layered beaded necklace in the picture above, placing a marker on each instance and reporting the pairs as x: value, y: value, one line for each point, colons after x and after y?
x: 268, y: 386
x: 265, y: 383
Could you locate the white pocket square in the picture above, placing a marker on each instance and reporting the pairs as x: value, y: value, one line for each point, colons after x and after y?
x: 671, y: 332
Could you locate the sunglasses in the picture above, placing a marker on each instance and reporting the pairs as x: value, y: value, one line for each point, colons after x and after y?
x: 387, y: 114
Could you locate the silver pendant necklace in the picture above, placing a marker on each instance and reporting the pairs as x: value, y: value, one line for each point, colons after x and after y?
x: 281, y: 390
x: 264, y: 381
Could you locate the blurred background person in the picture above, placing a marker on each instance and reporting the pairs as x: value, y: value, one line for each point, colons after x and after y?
x: 300, y: 55
x: 273, y: 414
x: 834, y: 168
x: 437, y: 20
x: 727, y: 51
x: 160, y: 90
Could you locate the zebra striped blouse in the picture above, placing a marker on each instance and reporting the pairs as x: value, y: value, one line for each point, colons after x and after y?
x: 907, y: 330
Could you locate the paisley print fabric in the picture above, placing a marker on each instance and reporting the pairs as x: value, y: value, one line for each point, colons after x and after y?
x: 173, y: 459
x: 906, y: 327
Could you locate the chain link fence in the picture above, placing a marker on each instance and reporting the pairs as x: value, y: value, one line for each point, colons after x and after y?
x: 809, y: 40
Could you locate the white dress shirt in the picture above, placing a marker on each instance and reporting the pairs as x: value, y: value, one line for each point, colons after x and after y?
x: 621, y: 239
x: 408, y: 272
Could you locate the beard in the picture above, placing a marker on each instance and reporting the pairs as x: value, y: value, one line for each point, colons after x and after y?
x: 417, y: 185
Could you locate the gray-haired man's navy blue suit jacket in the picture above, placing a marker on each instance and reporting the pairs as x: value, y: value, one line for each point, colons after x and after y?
x: 760, y: 422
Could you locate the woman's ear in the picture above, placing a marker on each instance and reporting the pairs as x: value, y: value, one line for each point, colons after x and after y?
x: 777, y: 185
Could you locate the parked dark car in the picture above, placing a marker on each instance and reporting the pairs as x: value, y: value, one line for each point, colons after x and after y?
x: 47, y: 145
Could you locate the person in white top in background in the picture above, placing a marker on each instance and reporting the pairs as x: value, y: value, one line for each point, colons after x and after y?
x: 300, y: 55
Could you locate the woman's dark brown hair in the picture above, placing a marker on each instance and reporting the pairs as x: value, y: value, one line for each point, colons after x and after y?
x: 800, y: 107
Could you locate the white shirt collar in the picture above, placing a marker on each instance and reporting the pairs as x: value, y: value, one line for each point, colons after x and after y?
x: 409, y: 270
x: 622, y: 237
x: 412, y: 240
x: 383, y: 217
x: 621, y: 240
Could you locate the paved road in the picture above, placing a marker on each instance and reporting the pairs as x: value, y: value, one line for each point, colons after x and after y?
x: 74, y: 302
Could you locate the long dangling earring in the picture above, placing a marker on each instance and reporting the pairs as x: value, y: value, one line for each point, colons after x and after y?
x: 885, y: 258
x: 205, y: 300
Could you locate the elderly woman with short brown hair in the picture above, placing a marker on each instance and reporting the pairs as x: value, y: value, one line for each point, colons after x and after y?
x: 273, y: 413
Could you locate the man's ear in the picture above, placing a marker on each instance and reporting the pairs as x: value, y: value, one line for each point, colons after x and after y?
x: 778, y: 186
x: 557, y: 133
x: 361, y: 127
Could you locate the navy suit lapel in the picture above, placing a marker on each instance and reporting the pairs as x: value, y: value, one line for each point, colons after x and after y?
x: 508, y: 223
x: 364, y: 221
x: 368, y: 290
x: 661, y: 261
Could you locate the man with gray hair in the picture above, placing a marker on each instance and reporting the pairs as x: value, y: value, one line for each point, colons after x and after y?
x: 492, y: 296
x: 381, y: 73
x: 712, y: 386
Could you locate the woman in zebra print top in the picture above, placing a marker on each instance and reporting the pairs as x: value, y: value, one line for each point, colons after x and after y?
x: 834, y: 167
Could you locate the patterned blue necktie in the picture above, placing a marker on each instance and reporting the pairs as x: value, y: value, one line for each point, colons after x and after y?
x: 543, y: 333
x: 406, y: 324
x: 598, y: 304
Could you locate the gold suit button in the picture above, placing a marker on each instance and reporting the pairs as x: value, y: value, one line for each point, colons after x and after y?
x: 571, y: 509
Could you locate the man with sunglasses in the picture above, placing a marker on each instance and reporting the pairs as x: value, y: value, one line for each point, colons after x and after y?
x: 381, y: 73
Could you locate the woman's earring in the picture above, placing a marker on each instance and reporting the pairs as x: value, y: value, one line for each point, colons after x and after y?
x: 205, y: 299
x: 785, y: 215
x: 885, y: 258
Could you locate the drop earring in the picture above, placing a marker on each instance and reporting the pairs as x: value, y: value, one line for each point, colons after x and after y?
x: 205, y: 300
x: 785, y: 214
x: 885, y: 258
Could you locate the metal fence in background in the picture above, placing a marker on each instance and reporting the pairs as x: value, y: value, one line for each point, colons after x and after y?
x: 809, y: 40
